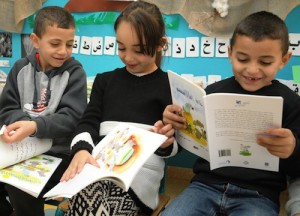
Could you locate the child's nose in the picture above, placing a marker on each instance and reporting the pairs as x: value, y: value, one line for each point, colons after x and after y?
x: 128, y: 57
x: 253, y: 68
x: 63, y: 50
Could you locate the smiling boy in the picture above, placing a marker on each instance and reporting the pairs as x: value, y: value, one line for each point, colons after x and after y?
x: 258, y: 50
x: 44, y: 96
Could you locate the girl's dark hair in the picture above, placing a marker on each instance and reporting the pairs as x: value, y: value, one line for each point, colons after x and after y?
x: 262, y: 25
x: 149, y: 25
x: 50, y: 16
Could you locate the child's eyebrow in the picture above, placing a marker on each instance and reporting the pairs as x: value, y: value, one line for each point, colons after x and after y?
x: 267, y: 56
x: 241, y: 53
x: 119, y: 42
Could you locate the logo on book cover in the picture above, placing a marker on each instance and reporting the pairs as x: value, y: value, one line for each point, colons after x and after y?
x: 241, y: 103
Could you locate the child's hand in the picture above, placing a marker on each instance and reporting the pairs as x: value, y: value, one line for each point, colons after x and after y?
x: 166, y: 130
x: 79, y: 160
x: 281, y: 142
x: 19, y: 130
x: 171, y: 115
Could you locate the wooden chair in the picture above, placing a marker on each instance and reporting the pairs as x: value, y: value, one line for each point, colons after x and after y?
x: 163, y: 201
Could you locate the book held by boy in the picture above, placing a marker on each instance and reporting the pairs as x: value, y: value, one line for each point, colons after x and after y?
x: 30, y: 175
x: 120, y: 155
x: 222, y: 127
x: 24, y: 166
x: 12, y: 153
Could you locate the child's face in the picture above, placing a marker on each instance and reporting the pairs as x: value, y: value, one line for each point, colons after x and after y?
x: 255, y: 63
x: 54, y: 46
x: 129, y: 50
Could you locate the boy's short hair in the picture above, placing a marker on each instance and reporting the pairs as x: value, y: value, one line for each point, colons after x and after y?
x: 50, y: 16
x: 262, y: 25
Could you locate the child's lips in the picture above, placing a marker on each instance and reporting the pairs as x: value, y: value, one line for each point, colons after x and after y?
x: 131, y: 65
x: 252, y: 79
x: 60, y: 59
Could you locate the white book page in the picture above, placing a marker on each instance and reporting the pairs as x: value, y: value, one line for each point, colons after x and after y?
x: 88, y: 175
x: 189, y: 97
x: 233, y: 121
x: 12, y: 153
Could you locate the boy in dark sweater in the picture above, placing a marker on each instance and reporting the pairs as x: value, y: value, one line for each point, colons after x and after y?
x: 258, y: 49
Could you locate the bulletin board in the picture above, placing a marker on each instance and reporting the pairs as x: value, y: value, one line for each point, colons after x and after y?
x: 190, y: 52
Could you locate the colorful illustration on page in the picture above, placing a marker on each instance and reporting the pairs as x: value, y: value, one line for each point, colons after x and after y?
x: 194, y: 127
x: 121, y: 151
x: 31, y: 170
x: 245, y: 150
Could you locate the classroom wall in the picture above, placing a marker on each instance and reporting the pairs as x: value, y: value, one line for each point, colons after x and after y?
x: 198, y: 66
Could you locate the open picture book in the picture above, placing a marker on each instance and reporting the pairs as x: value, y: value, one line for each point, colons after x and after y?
x: 23, y: 165
x: 30, y: 175
x: 222, y: 127
x: 120, y: 155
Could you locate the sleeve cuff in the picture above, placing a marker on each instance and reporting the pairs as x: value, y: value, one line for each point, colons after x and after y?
x: 81, y: 145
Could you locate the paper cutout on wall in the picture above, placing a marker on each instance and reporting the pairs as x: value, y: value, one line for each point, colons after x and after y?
x: 192, y: 47
x: 207, y: 46
x: 86, y: 45
x: 97, y: 45
x: 200, y: 81
x: 291, y: 84
x: 222, y: 47
x: 171, y: 22
x: 213, y: 78
x: 76, y: 44
x: 296, y: 73
x: 294, y: 44
x: 95, y: 18
x: 110, y: 45
x: 178, y: 47
x: 189, y: 77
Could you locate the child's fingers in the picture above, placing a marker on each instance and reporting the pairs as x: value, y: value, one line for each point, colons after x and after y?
x: 94, y: 162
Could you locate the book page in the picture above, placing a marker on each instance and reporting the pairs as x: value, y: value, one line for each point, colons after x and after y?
x: 120, y: 155
x: 11, y: 153
x: 30, y: 175
x: 87, y: 176
x: 189, y: 97
x: 233, y: 121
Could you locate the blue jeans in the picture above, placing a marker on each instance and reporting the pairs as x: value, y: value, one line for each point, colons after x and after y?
x: 220, y: 199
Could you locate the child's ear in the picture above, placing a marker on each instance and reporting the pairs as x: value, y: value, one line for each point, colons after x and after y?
x: 35, y: 40
x: 164, y: 41
x: 230, y: 53
x: 285, y: 59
